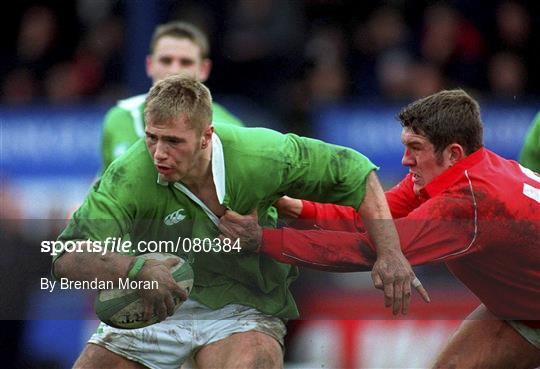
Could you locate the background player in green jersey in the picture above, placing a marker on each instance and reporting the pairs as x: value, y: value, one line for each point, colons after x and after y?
x: 189, y: 167
x: 530, y: 154
x: 175, y: 47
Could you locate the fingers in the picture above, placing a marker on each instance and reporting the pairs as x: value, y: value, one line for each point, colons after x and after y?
x: 388, y: 294
x: 406, y: 296
x: 385, y: 283
x: 397, y: 297
x: 179, y: 292
x: 148, y: 310
x: 169, y: 303
x: 228, y: 224
x: 420, y: 289
x: 160, y: 309
x: 224, y: 228
x: 169, y: 263
x: 397, y: 291
x: 377, y: 281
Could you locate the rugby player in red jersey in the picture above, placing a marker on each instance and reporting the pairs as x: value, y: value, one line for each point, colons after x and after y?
x: 460, y: 204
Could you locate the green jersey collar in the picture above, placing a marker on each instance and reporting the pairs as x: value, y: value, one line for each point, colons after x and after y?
x: 133, y: 105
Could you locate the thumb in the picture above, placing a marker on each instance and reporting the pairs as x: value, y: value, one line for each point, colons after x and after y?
x: 377, y: 281
x: 254, y: 214
x: 170, y: 262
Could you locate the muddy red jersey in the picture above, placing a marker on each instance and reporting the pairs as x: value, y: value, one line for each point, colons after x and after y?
x: 481, y: 217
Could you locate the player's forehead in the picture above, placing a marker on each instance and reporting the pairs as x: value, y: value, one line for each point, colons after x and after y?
x: 178, y: 126
x: 177, y: 47
x: 409, y: 137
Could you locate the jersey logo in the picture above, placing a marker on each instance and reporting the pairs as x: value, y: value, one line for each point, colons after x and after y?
x: 175, y: 217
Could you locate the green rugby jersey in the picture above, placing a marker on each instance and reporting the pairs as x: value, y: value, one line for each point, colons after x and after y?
x: 530, y: 154
x: 124, y: 124
x: 252, y: 167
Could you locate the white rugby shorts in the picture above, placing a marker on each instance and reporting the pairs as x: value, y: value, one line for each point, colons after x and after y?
x: 166, y: 345
x: 529, y: 333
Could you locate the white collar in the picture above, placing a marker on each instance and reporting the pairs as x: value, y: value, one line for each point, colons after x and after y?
x: 218, y: 173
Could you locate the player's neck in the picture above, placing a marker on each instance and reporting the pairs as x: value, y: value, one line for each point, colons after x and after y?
x: 201, y: 175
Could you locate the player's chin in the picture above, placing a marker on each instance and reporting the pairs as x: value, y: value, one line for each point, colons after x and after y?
x: 170, y: 175
x: 417, y: 187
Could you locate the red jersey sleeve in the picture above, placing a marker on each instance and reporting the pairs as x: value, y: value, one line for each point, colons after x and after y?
x: 328, y: 216
x: 401, y: 200
x: 442, y: 228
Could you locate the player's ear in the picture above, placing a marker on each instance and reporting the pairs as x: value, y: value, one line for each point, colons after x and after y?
x: 207, y: 136
x: 206, y: 67
x: 455, y: 152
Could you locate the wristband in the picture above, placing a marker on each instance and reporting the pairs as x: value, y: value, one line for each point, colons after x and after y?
x: 136, y: 268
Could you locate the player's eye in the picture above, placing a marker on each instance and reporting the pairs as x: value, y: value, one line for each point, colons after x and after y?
x: 165, y: 60
x: 187, y: 62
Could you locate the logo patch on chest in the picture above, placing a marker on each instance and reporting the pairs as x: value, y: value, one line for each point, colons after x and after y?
x: 175, y: 217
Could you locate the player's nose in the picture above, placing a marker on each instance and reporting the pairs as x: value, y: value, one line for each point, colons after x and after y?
x: 175, y: 67
x: 161, y: 152
x: 407, y: 160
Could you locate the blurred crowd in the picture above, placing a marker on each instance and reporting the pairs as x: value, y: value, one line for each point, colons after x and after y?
x: 287, y: 55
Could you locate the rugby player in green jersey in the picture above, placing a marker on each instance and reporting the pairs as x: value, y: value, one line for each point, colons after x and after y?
x: 175, y: 47
x: 178, y: 183
x: 530, y: 153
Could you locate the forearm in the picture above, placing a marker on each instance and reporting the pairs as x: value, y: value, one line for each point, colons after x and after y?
x: 377, y: 218
x: 319, y: 249
x: 88, y: 266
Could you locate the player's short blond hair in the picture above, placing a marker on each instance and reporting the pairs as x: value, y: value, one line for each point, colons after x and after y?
x: 176, y: 96
x: 181, y: 30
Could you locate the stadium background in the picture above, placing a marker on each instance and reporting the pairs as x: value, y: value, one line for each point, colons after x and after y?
x: 330, y: 69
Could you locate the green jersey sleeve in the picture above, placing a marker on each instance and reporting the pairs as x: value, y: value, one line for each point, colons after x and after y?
x: 106, y: 212
x: 263, y: 165
x: 326, y: 173
x: 530, y: 154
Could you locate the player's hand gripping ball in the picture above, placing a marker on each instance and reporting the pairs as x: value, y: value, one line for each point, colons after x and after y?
x: 123, y: 308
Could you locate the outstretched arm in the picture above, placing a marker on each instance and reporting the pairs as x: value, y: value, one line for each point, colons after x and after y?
x: 391, y: 271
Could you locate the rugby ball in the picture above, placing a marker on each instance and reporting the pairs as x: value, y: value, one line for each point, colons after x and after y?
x: 123, y: 308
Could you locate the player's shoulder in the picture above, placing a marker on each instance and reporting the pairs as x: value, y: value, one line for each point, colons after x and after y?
x: 123, y: 112
x: 127, y: 106
x: 246, y: 139
x: 222, y: 116
x: 132, y: 103
x: 133, y: 169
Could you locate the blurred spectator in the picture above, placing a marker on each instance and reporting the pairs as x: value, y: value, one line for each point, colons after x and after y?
x: 98, y: 59
x: 394, y: 74
x: 261, y: 45
x: 19, y: 86
x: 507, y: 75
x: 61, y: 83
x: 37, y: 49
x: 513, y: 38
x: 513, y: 25
x: 297, y: 54
x: 326, y: 76
x: 454, y: 44
x: 376, y: 44
x: 37, y: 42
x: 425, y: 79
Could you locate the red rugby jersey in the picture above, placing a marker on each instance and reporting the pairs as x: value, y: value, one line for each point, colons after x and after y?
x: 481, y: 217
